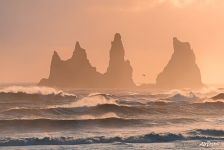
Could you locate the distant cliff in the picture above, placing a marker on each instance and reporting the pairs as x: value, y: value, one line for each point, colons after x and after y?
x: 182, y: 70
x: 77, y: 71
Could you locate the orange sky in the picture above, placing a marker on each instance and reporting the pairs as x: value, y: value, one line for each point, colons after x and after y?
x: 30, y: 30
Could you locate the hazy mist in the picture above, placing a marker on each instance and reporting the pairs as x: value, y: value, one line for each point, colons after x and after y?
x: 31, y: 30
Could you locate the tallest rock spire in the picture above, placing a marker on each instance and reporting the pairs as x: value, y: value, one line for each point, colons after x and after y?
x: 116, y: 51
x: 119, y: 71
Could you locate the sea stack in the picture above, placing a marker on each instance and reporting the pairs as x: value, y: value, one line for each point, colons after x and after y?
x: 182, y: 70
x: 119, y: 71
x: 75, y: 72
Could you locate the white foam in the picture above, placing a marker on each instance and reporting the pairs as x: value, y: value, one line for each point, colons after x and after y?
x: 34, y: 90
x: 181, y: 97
x: 93, y: 100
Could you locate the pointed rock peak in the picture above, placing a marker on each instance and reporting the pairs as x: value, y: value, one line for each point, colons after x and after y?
x: 55, y: 53
x: 182, y: 70
x: 56, y: 56
x: 179, y: 45
x: 117, y: 49
x: 77, y: 45
x: 117, y: 40
x: 117, y: 37
x: 77, y: 48
x: 79, y: 51
x: 175, y: 40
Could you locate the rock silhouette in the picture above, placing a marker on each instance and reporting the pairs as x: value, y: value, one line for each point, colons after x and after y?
x: 77, y: 71
x: 119, y: 71
x: 182, y: 70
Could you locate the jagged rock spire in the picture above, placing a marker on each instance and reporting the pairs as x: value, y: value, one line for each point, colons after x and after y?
x: 179, y: 45
x: 116, y: 52
x: 56, y: 57
x: 77, y: 45
x: 79, y: 52
x: 77, y: 72
x: 119, y: 71
x: 117, y: 37
x: 56, y: 60
x: 182, y: 70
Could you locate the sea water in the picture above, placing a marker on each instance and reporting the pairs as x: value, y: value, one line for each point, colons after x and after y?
x: 34, y: 117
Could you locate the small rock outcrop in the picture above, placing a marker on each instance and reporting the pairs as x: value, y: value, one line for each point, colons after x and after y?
x: 182, y: 70
x: 77, y: 71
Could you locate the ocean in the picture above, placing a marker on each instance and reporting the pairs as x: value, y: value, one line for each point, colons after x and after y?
x: 33, y: 117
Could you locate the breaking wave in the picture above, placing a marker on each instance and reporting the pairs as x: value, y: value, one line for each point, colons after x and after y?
x: 98, y: 106
x: 183, y: 97
x: 32, y: 93
x: 34, y: 90
x: 90, y: 112
x: 220, y: 96
x: 91, y: 100
x: 208, y: 132
x: 147, y: 138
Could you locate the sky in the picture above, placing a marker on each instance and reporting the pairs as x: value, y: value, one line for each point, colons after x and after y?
x: 31, y: 30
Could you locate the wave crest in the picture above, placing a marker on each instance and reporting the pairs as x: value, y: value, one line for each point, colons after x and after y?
x: 147, y: 138
x: 183, y: 97
x: 34, y: 90
x: 33, y: 94
x: 208, y: 132
x: 91, y: 100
